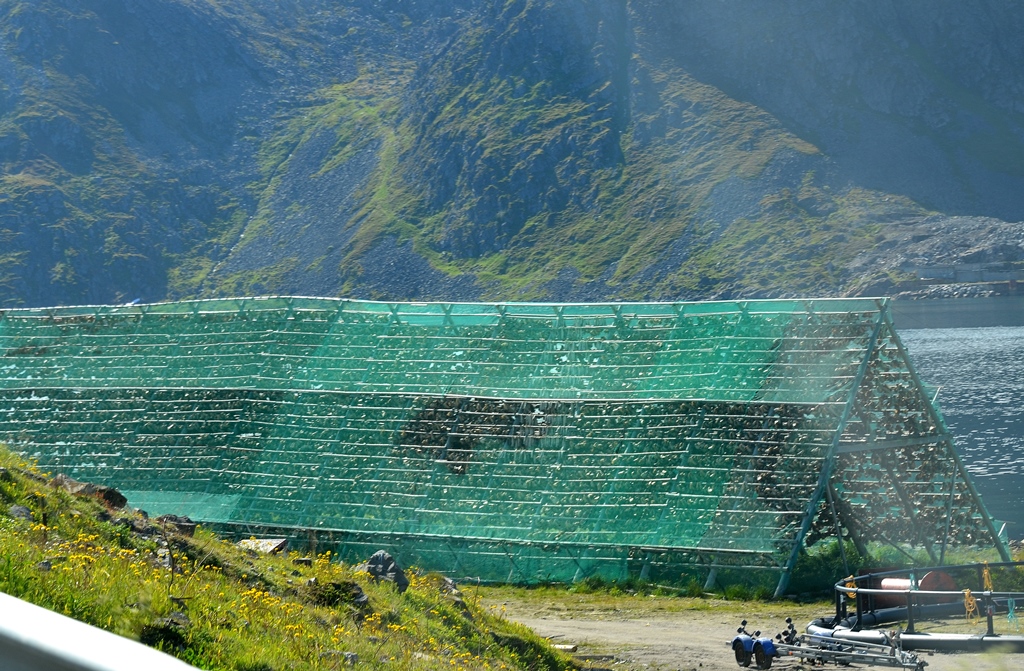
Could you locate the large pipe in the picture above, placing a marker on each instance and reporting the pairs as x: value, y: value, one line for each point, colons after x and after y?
x: 941, y: 642
x: 933, y: 581
x: 884, y: 616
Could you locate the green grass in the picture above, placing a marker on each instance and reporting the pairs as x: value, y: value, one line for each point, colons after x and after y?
x: 216, y: 606
x: 562, y: 602
x: 621, y: 213
x: 496, y: 157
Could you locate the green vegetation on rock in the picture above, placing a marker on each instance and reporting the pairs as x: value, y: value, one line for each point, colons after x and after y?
x: 220, y: 607
x: 472, y: 149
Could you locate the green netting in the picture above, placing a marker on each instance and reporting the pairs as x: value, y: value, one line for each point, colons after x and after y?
x: 732, y: 351
x: 504, y: 441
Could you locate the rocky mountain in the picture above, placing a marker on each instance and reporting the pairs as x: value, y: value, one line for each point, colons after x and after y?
x: 503, y: 149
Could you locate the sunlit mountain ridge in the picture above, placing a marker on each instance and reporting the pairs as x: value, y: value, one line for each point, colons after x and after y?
x: 519, y: 150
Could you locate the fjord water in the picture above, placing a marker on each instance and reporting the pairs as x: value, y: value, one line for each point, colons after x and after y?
x: 979, y: 373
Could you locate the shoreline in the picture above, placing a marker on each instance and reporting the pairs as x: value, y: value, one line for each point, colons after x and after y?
x: 963, y: 312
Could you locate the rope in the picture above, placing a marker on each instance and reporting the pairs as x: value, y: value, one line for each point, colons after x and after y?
x: 971, y: 608
x: 986, y: 578
x: 1011, y: 614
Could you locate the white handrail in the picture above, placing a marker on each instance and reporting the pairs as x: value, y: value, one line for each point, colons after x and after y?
x: 36, y: 639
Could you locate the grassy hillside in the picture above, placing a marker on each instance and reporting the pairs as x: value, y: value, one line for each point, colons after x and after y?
x: 520, y: 149
x: 508, y: 166
x: 217, y: 606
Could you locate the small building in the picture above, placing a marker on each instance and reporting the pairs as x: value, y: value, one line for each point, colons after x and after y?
x: 506, y: 441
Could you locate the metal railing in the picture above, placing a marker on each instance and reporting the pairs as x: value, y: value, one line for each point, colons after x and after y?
x: 35, y: 639
x: 915, y: 600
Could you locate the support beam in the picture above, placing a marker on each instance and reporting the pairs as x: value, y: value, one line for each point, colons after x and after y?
x: 933, y: 413
x: 949, y: 515
x: 829, y: 460
x: 899, y: 443
x: 838, y: 527
x: 849, y: 522
x: 908, y: 506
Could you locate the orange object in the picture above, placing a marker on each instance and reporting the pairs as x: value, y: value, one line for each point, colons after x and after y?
x: 933, y: 581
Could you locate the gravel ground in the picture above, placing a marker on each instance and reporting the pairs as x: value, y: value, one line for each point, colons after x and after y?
x: 613, y: 634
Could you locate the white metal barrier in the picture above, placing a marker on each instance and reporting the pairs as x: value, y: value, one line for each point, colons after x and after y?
x: 35, y: 639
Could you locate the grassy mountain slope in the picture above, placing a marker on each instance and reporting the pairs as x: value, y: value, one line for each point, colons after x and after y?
x: 916, y: 99
x: 111, y: 119
x: 523, y: 149
x: 220, y: 607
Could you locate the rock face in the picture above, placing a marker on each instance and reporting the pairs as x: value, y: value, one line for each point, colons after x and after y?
x: 940, y: 240
x: 530, y: 149
x: 906, y: 98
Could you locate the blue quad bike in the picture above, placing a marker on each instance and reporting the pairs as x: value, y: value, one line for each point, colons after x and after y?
x: 758, y: 649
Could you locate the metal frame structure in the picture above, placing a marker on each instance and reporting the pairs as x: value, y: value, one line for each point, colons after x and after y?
x: 513, y: 441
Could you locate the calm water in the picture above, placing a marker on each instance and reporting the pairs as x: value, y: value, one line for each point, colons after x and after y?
x: 980, y: 372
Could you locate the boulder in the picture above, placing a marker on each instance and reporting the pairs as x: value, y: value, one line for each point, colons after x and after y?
x: 178, y: 524
x: 109, y: 496
x: 382, y: 566
x: 20, y: 513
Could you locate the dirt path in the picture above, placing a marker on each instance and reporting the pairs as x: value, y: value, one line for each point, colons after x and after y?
x: 628, y: 639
